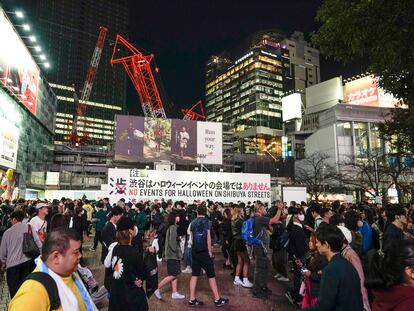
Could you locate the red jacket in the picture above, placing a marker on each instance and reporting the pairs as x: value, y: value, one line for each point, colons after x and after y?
x: 397, y: 298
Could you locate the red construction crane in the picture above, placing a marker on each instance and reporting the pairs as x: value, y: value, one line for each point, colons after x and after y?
x: 191, y: 114
x: 139, y: 71
x: 79, y: 116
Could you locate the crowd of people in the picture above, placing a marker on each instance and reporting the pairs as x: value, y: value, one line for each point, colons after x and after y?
x: 332, y: 256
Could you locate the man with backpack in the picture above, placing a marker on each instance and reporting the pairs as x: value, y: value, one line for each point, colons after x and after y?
x: 54, y: 285
x: 202, y: 258
x: 261, y: 264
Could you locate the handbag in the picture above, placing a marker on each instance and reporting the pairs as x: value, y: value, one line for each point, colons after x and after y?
x: 30, y: 248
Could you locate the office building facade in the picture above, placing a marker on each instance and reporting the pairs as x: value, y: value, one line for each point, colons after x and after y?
x: 247, y: 95
x: 69, y: 30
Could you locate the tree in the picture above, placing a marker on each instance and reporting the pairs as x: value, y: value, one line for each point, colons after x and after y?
x: 381, y: 31
x: 315, y: 173
x: 366, y: 174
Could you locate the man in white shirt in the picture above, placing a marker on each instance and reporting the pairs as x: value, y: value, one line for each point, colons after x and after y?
x: 39, y: 224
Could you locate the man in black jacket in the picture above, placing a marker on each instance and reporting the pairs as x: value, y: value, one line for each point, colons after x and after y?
x: 340, y: 286
x: 394, y: 231
x: 108, y: 234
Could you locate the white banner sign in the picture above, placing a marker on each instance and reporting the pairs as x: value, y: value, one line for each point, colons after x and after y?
x: 134, y: 185
x: 209, y: 143
x: 9, y: 142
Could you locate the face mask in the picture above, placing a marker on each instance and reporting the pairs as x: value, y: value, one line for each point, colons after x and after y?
x: 360, y: 223
x: 301, y: 217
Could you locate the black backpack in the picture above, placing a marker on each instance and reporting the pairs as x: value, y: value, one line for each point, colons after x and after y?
x: 50, y: 285
x: 199, y: 227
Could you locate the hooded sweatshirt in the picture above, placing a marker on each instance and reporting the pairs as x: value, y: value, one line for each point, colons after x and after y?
x: 397, y: 298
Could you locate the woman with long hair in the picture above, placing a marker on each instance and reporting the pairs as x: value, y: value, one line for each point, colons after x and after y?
x: 127, y: 271
x: 225, y: 228
x: 390, y: 276
x: 173, y: 255
x: 243, y: 261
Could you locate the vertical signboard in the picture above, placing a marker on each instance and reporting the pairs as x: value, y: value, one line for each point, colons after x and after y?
x: 209, y: 143
x: 9, y: 142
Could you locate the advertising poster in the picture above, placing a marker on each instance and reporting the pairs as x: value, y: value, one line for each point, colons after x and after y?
x: 362, y: 92
x: 157, y: 139
x: 18, y: 71
x: 129, y: 144
x: 135, y: 185
x: 209, y: 143
x: 139, y: 139
x: 183, y: 140
x: 9, y: 142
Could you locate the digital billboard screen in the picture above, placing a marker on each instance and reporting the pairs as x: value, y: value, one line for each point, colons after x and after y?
x: 18, y: 71
x: 139, y: 139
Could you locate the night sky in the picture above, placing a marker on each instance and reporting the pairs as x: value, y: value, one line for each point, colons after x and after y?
x: 184, y: 34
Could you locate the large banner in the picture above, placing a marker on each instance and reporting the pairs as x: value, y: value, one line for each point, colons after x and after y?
x: 134, y: 185
x: 9, y: 142
x: 140, y: 139
x: 18, y: 71
x: 367, y: 92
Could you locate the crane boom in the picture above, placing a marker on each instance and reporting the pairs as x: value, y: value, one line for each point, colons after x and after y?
x: 86, y: 91
x: 138, y: 67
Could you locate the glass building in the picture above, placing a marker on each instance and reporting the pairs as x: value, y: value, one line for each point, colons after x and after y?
x: 69, y: 30
x: 247, y: 94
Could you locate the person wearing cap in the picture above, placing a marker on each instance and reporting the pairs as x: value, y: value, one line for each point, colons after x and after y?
x: 39, y: 224
x: 126, y: 269
x: 350, y: 255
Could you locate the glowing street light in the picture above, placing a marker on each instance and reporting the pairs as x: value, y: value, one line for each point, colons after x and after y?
x: 26, y: 27
x: 19, y: 14
x: 38, y: 48
x: 32, y: 38
x: 47, y: 65
x: 42, y: 57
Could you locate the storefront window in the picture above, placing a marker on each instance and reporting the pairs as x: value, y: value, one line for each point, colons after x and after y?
x: 361, y: 139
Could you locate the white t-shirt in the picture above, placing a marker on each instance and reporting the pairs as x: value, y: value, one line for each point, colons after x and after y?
x: 36, y: 223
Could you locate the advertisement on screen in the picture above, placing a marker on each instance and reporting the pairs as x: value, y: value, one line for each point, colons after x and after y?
x: 140, y: 139
x: 135, y: 185
x: 9, y: 142
x: 18, y: 71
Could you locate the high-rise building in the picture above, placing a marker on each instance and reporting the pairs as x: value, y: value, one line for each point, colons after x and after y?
x: 69, y: 30
x: 304, y: 62
x: 247, y: 94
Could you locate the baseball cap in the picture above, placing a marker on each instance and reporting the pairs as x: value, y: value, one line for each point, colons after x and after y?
x: 347, y: 234
x: 41, y: 205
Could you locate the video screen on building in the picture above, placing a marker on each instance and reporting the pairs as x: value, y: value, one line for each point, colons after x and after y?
x: 18, y: 71
x: 139, y: 139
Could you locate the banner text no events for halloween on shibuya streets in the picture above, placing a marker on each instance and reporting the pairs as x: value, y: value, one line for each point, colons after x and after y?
x: 134, y: 185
